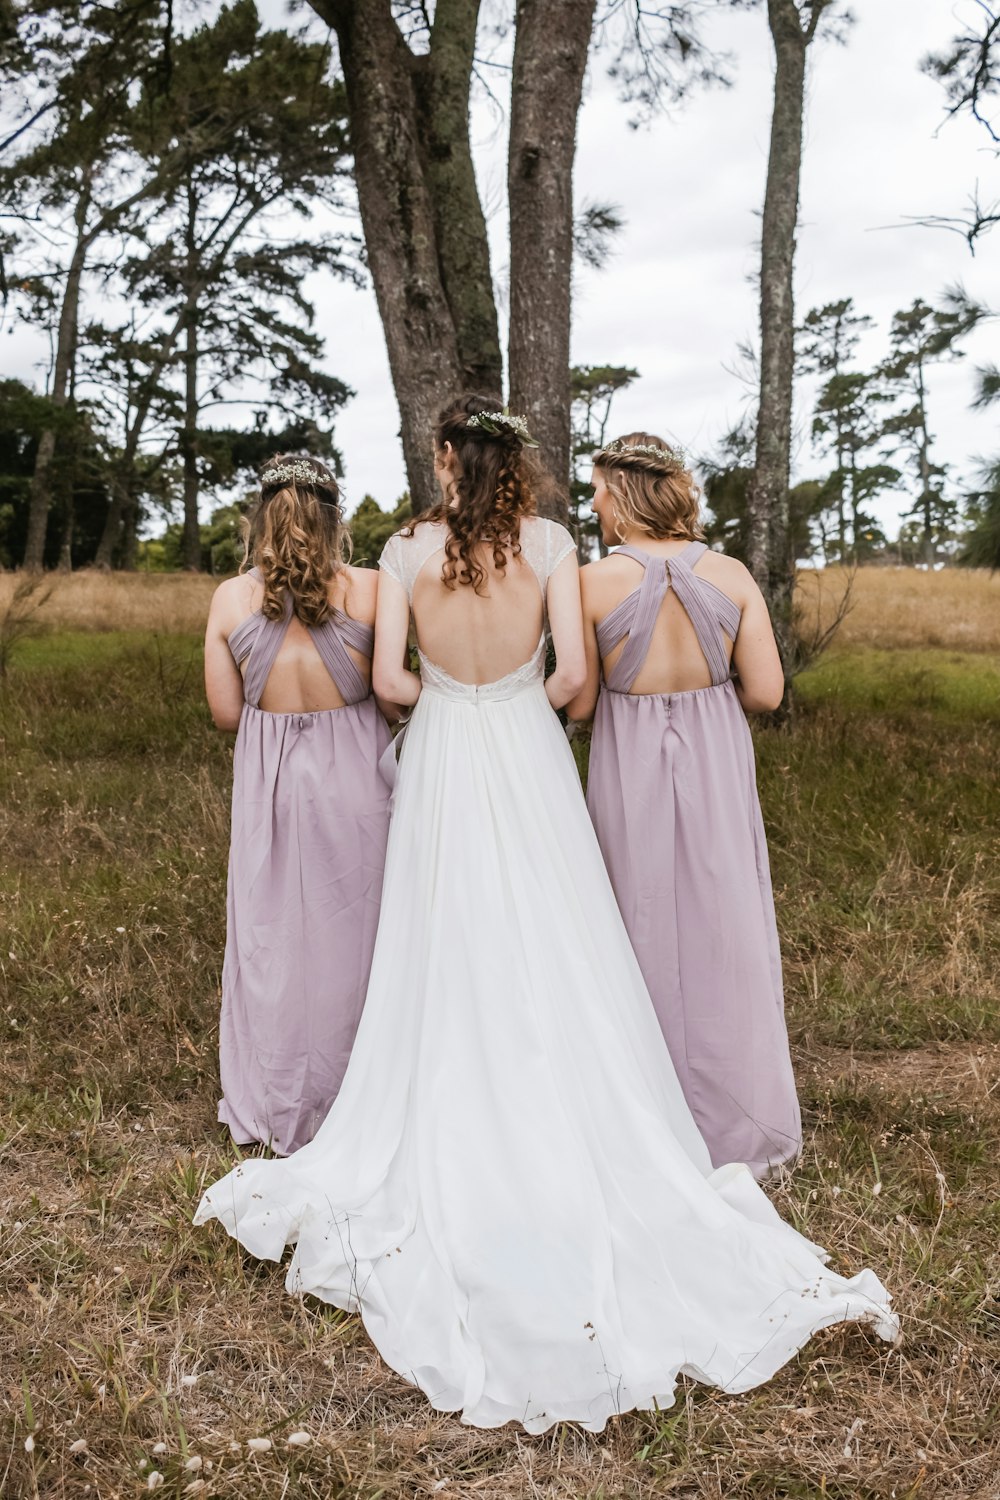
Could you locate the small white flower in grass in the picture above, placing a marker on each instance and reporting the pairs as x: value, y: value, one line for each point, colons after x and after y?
x: 189, y: 1380
x: 835, y: 1191
x: 80, y: 1446
x: 119, y: 929
x: 299, y: 1439
x: 155, y: 1480
x: 143, y: 1464
x: 193, y: 1463
x: 159, y: 1447
x: 102, y: 1391
x: 876, y: 1189
x: 29, y: 1444
x: 259, y: 1445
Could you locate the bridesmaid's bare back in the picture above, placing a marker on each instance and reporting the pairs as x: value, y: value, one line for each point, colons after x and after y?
x: 675, y: 661
x: 299, y: 682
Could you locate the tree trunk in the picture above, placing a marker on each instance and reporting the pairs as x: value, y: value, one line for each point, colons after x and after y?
x: 552, y: 41
x: 191, y: 538
x: 442, y: 79
x: 398, y: 218
x: 767, y: 498
x: 40, y: 496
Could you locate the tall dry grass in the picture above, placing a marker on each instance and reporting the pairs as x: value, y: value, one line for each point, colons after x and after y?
x: 898, y: 608
x: 958, y: 608
x: 168, y: 603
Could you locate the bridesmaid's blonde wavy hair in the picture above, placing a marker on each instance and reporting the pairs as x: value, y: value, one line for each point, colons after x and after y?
x: 296, y: 538
x: 652, y: 487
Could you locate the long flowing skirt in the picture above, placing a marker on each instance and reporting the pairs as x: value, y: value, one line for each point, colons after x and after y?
x: 309, y: 830
x: 673, y: 794
x: 510, y: 1186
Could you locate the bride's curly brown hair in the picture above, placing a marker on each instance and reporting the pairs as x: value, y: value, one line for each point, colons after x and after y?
x: 492, y: 489
x: 295, y: 537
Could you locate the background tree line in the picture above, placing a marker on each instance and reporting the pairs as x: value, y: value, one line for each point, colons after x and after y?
x: 167, y: 180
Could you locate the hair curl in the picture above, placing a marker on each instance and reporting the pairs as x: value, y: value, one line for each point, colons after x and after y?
x: 650, y: 493
x: 492, y: 489
x: 296, y: 538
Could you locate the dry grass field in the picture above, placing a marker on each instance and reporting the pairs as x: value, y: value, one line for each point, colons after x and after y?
x: 956, y: 609
x: 140, y: 1354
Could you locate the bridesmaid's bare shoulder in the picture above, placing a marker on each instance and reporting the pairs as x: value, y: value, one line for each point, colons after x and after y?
x: 728, y: 574
x: 603, y: 581
x: 232, y: 601
x: 361, y: 592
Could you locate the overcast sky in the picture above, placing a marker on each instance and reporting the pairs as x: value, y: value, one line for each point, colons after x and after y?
x: 676, y: 298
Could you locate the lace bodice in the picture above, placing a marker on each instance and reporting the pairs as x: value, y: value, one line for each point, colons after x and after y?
x: 544, y: 544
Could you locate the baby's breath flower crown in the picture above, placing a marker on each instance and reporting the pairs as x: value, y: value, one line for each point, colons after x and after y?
x: 674, y: 460
x: 498, y: 422
x: 298, y: 472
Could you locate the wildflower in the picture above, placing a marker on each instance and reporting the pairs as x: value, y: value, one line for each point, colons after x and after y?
x: 193, y: 1463
x: 189, y: 1380
x: 876, y: 1189
x: 159, y: 1447
x: 299, y: 1439
x: 259, y: 1445
x: 29, y: 1444
x: 80, y: 1446
x: 155, y: 1480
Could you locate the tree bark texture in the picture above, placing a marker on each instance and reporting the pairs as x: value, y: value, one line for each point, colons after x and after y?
x: 40, y: 495
x: 442, y: 79
x: 550, y: 57
x: 191, y: 539
x: 399, y: 222
x: 767, y: 500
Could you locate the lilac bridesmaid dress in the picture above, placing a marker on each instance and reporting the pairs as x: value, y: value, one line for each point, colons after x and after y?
x: 673, y: 796
x: 309, y: 829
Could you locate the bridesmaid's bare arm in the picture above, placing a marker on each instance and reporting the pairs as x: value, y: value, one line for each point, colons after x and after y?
x: 362, y: 597
x: 581, y: 707
x: 223, y: 682
x: 760, y: 681
x: 566, y: 624
x: 391, y: 678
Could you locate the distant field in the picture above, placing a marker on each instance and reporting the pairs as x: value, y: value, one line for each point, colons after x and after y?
x: 158, y: 1345
x: 957, y: 608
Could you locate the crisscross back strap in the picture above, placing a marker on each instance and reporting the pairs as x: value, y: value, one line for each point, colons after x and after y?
x: 710, y: 611
x: 702, y: 609
x: 331, y: 640
x: 638, y: 622
x: 261, y: 639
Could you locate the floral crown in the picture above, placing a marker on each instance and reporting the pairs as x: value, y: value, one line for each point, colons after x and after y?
x: 672, y: 458
x: 498, y: 422
x: 298, y: 472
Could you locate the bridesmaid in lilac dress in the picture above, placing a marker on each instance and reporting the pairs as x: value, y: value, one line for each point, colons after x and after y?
x: 288, y: 665
x: 679, y: 644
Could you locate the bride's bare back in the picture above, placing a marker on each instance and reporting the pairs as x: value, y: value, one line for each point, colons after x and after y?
x: 477, y: 638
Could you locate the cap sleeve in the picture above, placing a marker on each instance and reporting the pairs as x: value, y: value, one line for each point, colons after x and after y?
x: 391, y: 560
x: 559, y: 545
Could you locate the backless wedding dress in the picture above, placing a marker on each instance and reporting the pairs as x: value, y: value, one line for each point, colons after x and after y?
x: 510, y: 1187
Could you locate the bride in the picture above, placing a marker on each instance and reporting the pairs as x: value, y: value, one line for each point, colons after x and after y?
x: 510, y: 1188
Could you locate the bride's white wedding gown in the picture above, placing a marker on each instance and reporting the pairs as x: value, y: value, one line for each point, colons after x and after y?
x: 510, y: 1187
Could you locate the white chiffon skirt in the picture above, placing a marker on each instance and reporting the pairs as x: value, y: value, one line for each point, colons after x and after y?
x: 510, y: 1188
